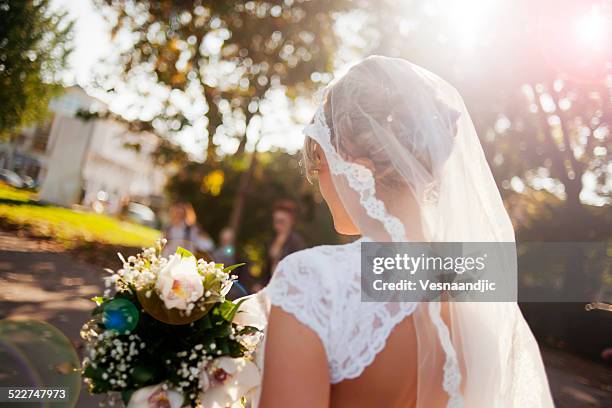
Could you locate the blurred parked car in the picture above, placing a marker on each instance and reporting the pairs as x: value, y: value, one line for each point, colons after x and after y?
x: 11, y: 178
x: 141, y: 214
x: 29, y: 182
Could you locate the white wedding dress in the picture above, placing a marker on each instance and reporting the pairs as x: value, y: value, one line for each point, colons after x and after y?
x: 320, y: 287
x: 352, y: 332
x: 490, y: 356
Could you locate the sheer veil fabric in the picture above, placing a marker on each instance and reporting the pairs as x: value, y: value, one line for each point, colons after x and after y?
x: 417, y: 172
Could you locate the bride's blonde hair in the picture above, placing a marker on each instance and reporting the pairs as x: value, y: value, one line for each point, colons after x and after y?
x: 365, y: 85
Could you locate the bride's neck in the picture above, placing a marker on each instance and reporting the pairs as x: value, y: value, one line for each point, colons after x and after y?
x: 402, y: 205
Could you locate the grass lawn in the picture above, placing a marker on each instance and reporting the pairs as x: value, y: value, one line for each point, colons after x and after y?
x: 20, y: 210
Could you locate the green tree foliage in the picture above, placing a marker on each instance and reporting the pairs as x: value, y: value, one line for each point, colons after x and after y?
x: 34, y: 45
x: 222, y: 55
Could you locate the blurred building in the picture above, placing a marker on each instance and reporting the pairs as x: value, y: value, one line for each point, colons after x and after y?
x: 95, y: 162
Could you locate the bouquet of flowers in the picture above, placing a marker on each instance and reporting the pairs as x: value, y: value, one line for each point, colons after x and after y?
x: 167, y: 337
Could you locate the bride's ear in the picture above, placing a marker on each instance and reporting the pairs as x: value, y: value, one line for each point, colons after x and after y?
x: 321, y: 158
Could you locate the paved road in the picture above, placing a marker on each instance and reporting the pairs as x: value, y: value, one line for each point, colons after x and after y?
x: 42, y: 284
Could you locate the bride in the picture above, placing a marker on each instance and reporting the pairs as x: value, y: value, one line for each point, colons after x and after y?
x: 397, y: 159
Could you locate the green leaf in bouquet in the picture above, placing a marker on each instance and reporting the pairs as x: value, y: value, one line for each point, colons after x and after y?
x: 97, y: 384
x: 235, y: 349
x: 221, y: 330
x: 98, y: 299
x: 97, y: 310
x: 227, y: 310
x: 93, y: 373
x: 126, y: 395
x: 248, y: 330
x: 212, y: 283
x: 223, y: 346
x: 204, y: 323
x: 99, y: 387
x: 183, y: 253
x: 144, y: 374
x: 240, y: 302
x: 232, y: 267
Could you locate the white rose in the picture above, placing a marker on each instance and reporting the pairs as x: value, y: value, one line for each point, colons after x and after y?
x: 229, y: 380
x: 155, y: 396
x: 179, y: 282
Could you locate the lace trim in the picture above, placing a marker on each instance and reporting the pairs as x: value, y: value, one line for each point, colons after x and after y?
x: 452, y: 373
x: 300, y: 313
x: 293, y: 290
x: 377, y: 344
x: 360, y: 178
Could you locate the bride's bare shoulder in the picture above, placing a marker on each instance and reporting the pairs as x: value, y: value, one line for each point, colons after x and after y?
x: 323, y: 254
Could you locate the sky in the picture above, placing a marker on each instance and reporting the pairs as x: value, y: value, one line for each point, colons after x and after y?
x: 91, y: 39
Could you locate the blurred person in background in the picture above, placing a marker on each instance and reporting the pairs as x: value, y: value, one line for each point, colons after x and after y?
x: 184, y: 231
x: 124, y: 208
x: 286, y: 240
x: 225, y: 252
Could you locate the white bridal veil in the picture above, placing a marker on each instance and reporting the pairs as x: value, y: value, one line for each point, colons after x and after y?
x: 403, y: 151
